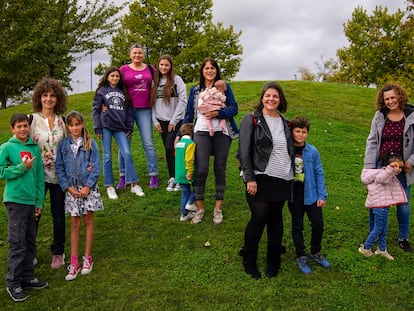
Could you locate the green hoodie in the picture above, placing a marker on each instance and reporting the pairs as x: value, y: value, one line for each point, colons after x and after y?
x: 23, y: 186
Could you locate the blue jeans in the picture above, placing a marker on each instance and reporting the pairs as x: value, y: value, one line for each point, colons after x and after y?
x: 187, y: 196
x: 143, y: 119
x: 403, y: 211
x: 124, y: 149
x: 379, y: 230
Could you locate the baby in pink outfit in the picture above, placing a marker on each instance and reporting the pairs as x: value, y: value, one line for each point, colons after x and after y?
x: 212, y: 100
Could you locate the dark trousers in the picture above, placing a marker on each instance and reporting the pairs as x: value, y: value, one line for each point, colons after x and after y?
x: 22, y: 243
x: 57, y: 207
x: 314, y: 213
x: 218, y: 146
x: 168, y: 141
x: 267, y: 214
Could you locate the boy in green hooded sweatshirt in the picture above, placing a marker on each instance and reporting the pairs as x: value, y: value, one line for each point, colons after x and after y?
x: 21, y: 166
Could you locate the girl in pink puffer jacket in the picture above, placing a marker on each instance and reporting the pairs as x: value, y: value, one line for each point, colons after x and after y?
x: 384, y: 190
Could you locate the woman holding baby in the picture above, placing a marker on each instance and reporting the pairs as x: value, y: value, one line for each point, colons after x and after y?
x: 217, y: 145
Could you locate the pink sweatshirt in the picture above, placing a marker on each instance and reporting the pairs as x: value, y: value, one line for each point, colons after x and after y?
x: 384, y: 189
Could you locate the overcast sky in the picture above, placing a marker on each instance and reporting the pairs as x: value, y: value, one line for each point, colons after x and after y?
x: 278, y: 36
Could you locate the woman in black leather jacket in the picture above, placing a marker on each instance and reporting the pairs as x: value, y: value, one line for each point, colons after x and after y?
x: 266, y: 154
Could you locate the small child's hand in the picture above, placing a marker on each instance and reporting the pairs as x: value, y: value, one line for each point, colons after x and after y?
x: 189, y: 176
x: 320, y: 203
x: 84, y: 192
x: 396, y: 166
x: 75, y: 193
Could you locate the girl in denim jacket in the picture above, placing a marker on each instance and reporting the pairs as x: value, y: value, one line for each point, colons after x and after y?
x: 77, y: 167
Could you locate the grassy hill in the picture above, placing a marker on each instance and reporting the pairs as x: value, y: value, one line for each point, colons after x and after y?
x: 145, y: 259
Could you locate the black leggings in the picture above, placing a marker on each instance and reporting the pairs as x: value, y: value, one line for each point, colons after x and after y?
x: 168, y: 142
x: 218, y: 146
x: 263, y: 214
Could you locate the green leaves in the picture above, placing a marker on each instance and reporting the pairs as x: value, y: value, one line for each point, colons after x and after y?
x: 44, y: 37
x: 181, y: 28
x: 381, y: 48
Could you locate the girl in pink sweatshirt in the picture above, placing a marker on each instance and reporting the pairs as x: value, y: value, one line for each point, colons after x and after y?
x: 384, y: 190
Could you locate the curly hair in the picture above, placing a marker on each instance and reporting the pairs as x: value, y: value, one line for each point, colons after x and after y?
x: 50, y: 85
x: 283, y: 102
x: 402, y: 94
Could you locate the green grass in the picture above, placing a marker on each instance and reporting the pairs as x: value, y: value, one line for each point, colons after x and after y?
x: 145, y: 259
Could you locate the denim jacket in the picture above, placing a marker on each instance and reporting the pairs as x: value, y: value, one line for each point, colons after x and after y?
x: 314, y: 176
x: 72, y: 170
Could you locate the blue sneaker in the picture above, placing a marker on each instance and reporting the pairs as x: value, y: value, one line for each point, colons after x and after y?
x: 320, y: 259
x: 303, y: 264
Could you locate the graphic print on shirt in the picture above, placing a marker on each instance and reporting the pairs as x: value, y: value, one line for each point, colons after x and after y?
x: 299, y: 173
x: 141, y: 86
x: 116, y: 100
x: 25, y: 155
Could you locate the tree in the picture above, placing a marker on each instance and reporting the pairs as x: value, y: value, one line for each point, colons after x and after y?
x: 327, y: 70
x: 44, y: 38
x: 306, y: 74
x: 381, y: 48
x: 181, y: 28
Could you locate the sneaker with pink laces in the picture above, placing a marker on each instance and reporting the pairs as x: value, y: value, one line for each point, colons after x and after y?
x: 57, y: 261
x: 73, y: 272
x: 87, y: 265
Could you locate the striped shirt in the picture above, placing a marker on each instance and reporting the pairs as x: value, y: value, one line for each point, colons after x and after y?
x: 280, y: 163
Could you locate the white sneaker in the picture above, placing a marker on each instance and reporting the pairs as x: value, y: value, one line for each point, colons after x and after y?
x: 171, y: 184
x: 365, y: 252
x: 191, y: 207
x: 218, y: 216
x: 137, y: 190
x: 198, y: 217
x: 177, y: 187
x: 112, y: 193
x: 189, y: 216
x: 384, y: 253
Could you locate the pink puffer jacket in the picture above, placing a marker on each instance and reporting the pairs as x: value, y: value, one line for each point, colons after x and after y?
x: 384, y: 189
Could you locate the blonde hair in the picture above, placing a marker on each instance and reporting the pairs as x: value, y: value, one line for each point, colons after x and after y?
x: 87, y: 141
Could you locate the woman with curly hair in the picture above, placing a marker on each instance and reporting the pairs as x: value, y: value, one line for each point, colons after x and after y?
x: 47, y: 130
x: 391, y: 131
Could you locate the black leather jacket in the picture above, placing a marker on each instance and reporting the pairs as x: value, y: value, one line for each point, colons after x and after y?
x: 256, y: 144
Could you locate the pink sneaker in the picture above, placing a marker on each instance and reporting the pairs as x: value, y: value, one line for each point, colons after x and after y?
x: 73, y: 272
x: 57, y: 261
x: 87, y: 265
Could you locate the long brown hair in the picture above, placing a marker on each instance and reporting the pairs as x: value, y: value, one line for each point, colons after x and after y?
x: 104, y: 82
x: 87, y: 143
x: 169, y: 89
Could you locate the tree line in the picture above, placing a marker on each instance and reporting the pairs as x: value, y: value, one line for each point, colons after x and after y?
x: 45, y: 38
